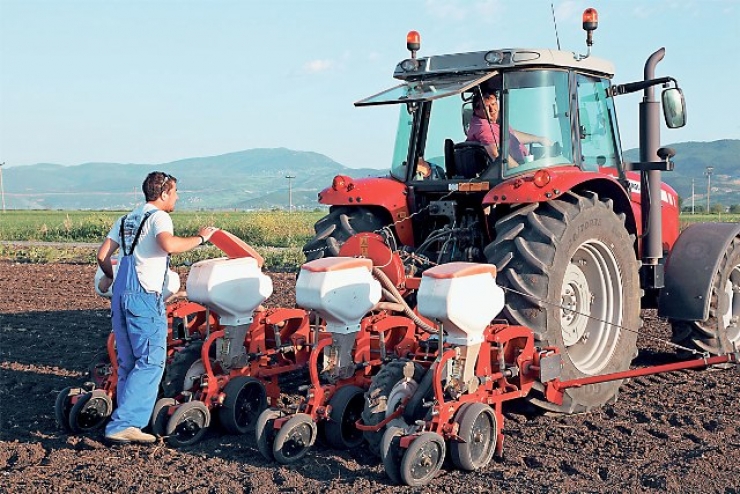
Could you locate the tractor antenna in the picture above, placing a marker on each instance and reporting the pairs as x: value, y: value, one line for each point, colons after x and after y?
x: 555, y: 23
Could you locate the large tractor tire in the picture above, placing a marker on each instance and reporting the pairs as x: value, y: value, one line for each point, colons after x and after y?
x: 571, y: 275
x: 721, y: 332
x: 339, y: 225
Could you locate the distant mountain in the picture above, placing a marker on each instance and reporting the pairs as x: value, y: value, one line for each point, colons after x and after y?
x: 252, y: 179
x: 692, y: 160
x: 256, y: 179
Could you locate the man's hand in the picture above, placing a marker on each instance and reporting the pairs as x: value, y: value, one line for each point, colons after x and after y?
x: 104, y: 284
x: 207, y: 232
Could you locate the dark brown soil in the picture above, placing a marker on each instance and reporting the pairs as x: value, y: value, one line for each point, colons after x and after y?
x: 677, y: 432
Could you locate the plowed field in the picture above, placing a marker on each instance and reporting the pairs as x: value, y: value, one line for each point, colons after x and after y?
x: 677, y: 432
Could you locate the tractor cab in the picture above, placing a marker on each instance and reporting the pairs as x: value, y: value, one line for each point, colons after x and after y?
x: 554, y: 110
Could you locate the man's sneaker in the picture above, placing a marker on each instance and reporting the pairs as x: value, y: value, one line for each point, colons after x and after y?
x: 131, y: 434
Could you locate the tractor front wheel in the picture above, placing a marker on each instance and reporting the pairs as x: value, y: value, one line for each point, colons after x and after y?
x: 571, y: 275
x: 337, y: 227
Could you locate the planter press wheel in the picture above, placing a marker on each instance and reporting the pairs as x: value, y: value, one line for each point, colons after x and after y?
x: 391, y: 453
x: 160, y: 416
x: 265, y: 432
x: 63, y: 406
x: 423, y: 459
x: 346, y: 409
x: 188, y: 423
x: 387, y: 390
x: 90, y: 412
x: 477, y: 428
x: 245, y: 400
x: 294, y: 439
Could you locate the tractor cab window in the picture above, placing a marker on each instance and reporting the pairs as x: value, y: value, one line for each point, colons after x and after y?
x: 535, y: 110
x: 595, y: 124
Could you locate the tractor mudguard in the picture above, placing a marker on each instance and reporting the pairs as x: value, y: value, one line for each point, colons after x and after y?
x: 690, y: 268
x: 387, y: 193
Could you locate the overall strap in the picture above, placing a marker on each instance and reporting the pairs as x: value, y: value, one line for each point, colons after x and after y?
x: 138, y: 232
x: 121, y: 236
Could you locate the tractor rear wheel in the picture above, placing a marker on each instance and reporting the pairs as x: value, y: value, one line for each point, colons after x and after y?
x: 571, y: 275
x: 339, y: 225
x: 721, y: 332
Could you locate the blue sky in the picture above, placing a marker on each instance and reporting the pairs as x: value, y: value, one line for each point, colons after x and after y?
x: 156, y: 81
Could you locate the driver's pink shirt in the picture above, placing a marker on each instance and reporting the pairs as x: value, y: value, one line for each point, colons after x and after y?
x: 481, y: 131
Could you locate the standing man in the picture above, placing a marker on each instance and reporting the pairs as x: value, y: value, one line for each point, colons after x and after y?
x: 146, y: 240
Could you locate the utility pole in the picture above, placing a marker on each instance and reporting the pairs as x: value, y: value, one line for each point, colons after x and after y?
x: 290, y: 192
x: 692, y: 196
x: 2, y: 189
x: 708, y: 173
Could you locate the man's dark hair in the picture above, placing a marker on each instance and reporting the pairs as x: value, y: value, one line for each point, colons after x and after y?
x: 478, y: 99
x: 155, y: 183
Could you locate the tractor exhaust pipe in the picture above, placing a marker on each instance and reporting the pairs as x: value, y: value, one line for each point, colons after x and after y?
x: 650, y: 181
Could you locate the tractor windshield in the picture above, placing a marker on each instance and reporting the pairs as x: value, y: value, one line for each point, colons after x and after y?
x: 532, y: 125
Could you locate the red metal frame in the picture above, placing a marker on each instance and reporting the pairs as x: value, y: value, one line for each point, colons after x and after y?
x: 379, y: 334
x: 266, y: 360
x: 554, y: 389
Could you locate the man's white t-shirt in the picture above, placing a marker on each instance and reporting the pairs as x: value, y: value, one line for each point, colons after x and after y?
x: 150, y: 258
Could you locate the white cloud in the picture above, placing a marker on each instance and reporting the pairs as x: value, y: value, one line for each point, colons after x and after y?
x: 490, y: 9
x: 316, y: 66
x: 565, y: 11
x: 447, y: 9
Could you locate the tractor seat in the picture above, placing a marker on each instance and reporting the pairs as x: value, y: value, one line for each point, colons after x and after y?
x: 471, y: 159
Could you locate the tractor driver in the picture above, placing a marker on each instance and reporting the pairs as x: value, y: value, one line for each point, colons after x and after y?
x: 484, y: 128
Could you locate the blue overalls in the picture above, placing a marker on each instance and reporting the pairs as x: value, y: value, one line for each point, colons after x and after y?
x: 140, y: 329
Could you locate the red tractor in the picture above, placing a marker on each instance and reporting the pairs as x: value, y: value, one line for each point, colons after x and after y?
x: 582, y: 241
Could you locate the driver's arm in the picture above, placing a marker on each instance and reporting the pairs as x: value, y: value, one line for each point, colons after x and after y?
x: 525, y: 138
x: 493, y: 151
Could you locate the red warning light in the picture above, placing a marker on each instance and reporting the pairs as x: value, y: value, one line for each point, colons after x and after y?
x: 413, y: 41
x: 590, y: 19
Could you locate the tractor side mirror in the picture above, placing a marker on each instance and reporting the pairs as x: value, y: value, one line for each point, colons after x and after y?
x: 674, y: 108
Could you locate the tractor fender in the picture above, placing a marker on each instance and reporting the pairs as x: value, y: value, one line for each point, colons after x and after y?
x: 525, y: 189
x: 690, y: 268
x: 382, y: 192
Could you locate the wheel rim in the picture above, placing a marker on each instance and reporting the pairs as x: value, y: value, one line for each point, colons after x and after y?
x: 249, y: 404
x: 190, y: 421
x: 425, y: 458
x: 294, y: 439
x: 731, y: 318
x: 591, y: 325
x: 480, y: 438
x: 94, y: 412
x: 297, y: 440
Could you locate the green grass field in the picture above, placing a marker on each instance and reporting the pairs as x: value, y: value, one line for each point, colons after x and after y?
x: 277, y: 235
